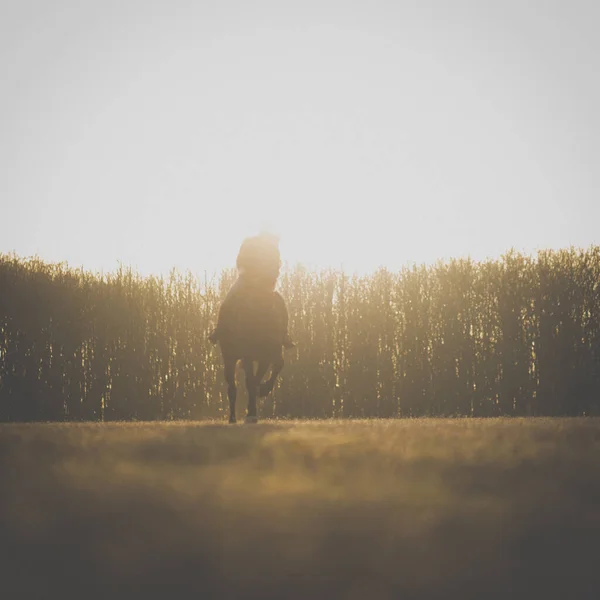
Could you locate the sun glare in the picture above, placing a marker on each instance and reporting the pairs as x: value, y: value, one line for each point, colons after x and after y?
x: 365, y: 139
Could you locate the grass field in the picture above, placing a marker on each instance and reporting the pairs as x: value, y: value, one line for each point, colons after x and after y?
x: 498, y: 508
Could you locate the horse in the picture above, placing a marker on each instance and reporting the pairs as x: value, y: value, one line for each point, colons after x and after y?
x: 252, y: 332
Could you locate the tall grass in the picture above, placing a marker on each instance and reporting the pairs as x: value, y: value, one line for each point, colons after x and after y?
x: 516, y: 336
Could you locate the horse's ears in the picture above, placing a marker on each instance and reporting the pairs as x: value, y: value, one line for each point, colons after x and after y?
x: 269, y: 235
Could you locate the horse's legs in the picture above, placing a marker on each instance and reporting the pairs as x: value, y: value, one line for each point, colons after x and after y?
x: 267, y: 387
x: 231, y: 388
x: 252, y: 384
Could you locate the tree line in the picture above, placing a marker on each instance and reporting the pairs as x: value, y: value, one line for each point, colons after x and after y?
x: 515, y: 336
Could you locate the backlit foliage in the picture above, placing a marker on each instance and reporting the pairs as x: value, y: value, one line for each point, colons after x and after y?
x: 518, y: 336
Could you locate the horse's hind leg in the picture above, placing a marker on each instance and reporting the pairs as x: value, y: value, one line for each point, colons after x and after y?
x: 267, y: 387
x: 231, y: 388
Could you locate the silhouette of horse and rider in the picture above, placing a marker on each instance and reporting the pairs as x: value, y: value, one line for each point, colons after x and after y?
x: 252, y: 325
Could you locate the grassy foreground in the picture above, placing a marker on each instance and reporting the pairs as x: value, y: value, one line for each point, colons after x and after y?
x: 498, y: 508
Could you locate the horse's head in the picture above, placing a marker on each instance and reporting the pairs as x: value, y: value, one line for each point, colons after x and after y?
x: 259, y: 256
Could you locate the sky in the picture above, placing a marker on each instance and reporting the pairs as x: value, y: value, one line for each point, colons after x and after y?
x: 159, y: 134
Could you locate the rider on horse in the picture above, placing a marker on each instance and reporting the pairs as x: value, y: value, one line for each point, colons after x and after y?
x: 258, y: 264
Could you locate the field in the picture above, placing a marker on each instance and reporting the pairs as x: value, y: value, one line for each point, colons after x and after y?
x: 460, y: 508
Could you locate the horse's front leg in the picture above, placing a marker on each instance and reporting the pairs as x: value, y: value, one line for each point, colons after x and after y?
x: 231, y: 387
x: 267, y: 387
x: 252, y: 384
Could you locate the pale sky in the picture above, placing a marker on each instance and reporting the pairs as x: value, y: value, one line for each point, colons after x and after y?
x: 160, y: 133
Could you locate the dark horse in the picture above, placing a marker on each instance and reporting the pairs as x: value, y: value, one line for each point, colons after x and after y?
x: 252, y: 332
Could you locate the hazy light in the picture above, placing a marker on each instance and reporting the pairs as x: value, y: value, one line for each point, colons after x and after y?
x: 161, y: 134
